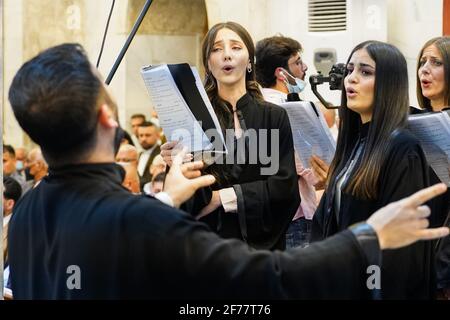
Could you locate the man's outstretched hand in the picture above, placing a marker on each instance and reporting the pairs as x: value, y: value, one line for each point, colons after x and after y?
x: 404, y: 222
x: 183, y: 180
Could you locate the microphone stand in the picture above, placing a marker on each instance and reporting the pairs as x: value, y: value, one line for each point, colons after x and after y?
x: 128, y: 42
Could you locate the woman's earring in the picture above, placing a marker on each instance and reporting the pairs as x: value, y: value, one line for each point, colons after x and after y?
x: 249, y: 68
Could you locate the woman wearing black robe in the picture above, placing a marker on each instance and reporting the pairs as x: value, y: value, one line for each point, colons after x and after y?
x: 377, y: 161
x: 433, y: 95
x: 253, y: 199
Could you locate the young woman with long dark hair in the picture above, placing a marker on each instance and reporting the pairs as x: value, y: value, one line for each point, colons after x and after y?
x: 377, y: 161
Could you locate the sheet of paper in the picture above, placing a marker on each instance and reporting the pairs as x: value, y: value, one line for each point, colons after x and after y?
x: 201, y: 89
x: 433, y: 131
x: 310, y: 134
x: 175, y: 117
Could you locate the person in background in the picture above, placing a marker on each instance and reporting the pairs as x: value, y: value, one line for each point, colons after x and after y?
x: 10, y: 167
x: 36, y: 166
x: 158, y: 183
x: 281, y: 71
x: 148, y: 139
x: 127, y: 139
x: 131, y: 178
x: 127, y: 154
x: 11, y: 194
x: 433, y: 94
x: 21, y: 156
x: 135, y: 121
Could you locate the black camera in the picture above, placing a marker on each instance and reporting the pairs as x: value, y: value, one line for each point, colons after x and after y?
x: 335, y: 78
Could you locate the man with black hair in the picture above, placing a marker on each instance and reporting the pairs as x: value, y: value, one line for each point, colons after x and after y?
x: 148, y: 138
x: 11, y: 194
x: 135, y: 121
x: 80, y: 235
x: 9, y: 167
x: 281, y: 69
x: 281, y: 72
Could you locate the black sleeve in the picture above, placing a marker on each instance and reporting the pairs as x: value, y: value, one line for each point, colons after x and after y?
x: 198, y: 264
x: 200, y: 199
x: 266, y: 207
x: 406, y: 272
x: 443, y: 264
x: 405, y: 172
x: 318, y: 220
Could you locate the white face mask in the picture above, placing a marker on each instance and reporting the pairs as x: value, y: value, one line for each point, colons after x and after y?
x: 299, y: 83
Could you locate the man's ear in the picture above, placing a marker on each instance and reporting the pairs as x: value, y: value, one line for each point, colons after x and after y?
x: 106, y: 117
x: 279, y: 74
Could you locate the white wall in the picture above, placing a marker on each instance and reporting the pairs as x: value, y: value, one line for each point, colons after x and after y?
x: 411, y: 23
x: 12, y: 55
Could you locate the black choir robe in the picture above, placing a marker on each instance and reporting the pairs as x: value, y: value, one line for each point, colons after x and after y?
x: 440, y: 208
x: 266, y: 203
x: 125, y: 246
x: 407, y: 273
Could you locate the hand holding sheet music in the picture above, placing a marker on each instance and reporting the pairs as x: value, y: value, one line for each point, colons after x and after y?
x: 310, y: 133
x: 433, y: 131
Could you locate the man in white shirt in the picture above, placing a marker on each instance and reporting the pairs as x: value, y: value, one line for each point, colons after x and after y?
x: 281, y: 71
x: 148, y: 138
x: 136, y: 120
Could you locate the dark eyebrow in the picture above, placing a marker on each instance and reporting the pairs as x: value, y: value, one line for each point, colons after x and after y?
x: 366, y: 65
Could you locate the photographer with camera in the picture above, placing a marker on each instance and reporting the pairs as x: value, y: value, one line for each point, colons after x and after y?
x: 281, y: 72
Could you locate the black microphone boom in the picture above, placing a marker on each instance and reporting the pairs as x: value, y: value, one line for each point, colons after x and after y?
x: 128, y: 42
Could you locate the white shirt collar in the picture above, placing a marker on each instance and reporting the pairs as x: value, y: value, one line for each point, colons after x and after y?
x: 6, y: 220
x: 274, y: 96
x: 149, y: 151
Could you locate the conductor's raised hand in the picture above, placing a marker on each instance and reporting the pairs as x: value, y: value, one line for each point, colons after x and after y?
x: 183, y: 180
x: 404, y: 222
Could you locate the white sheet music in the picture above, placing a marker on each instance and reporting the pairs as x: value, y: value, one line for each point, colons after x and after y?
x: 204, y: 95
x: 433, y: 131
x: 175, y: 117
x: 310, y: 133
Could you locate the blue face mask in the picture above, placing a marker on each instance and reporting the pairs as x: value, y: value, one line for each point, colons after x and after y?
x: 299, y: 85
x: 19, y: 165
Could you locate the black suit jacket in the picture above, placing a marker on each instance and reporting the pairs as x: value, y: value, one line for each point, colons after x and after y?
x: 147, y: 177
